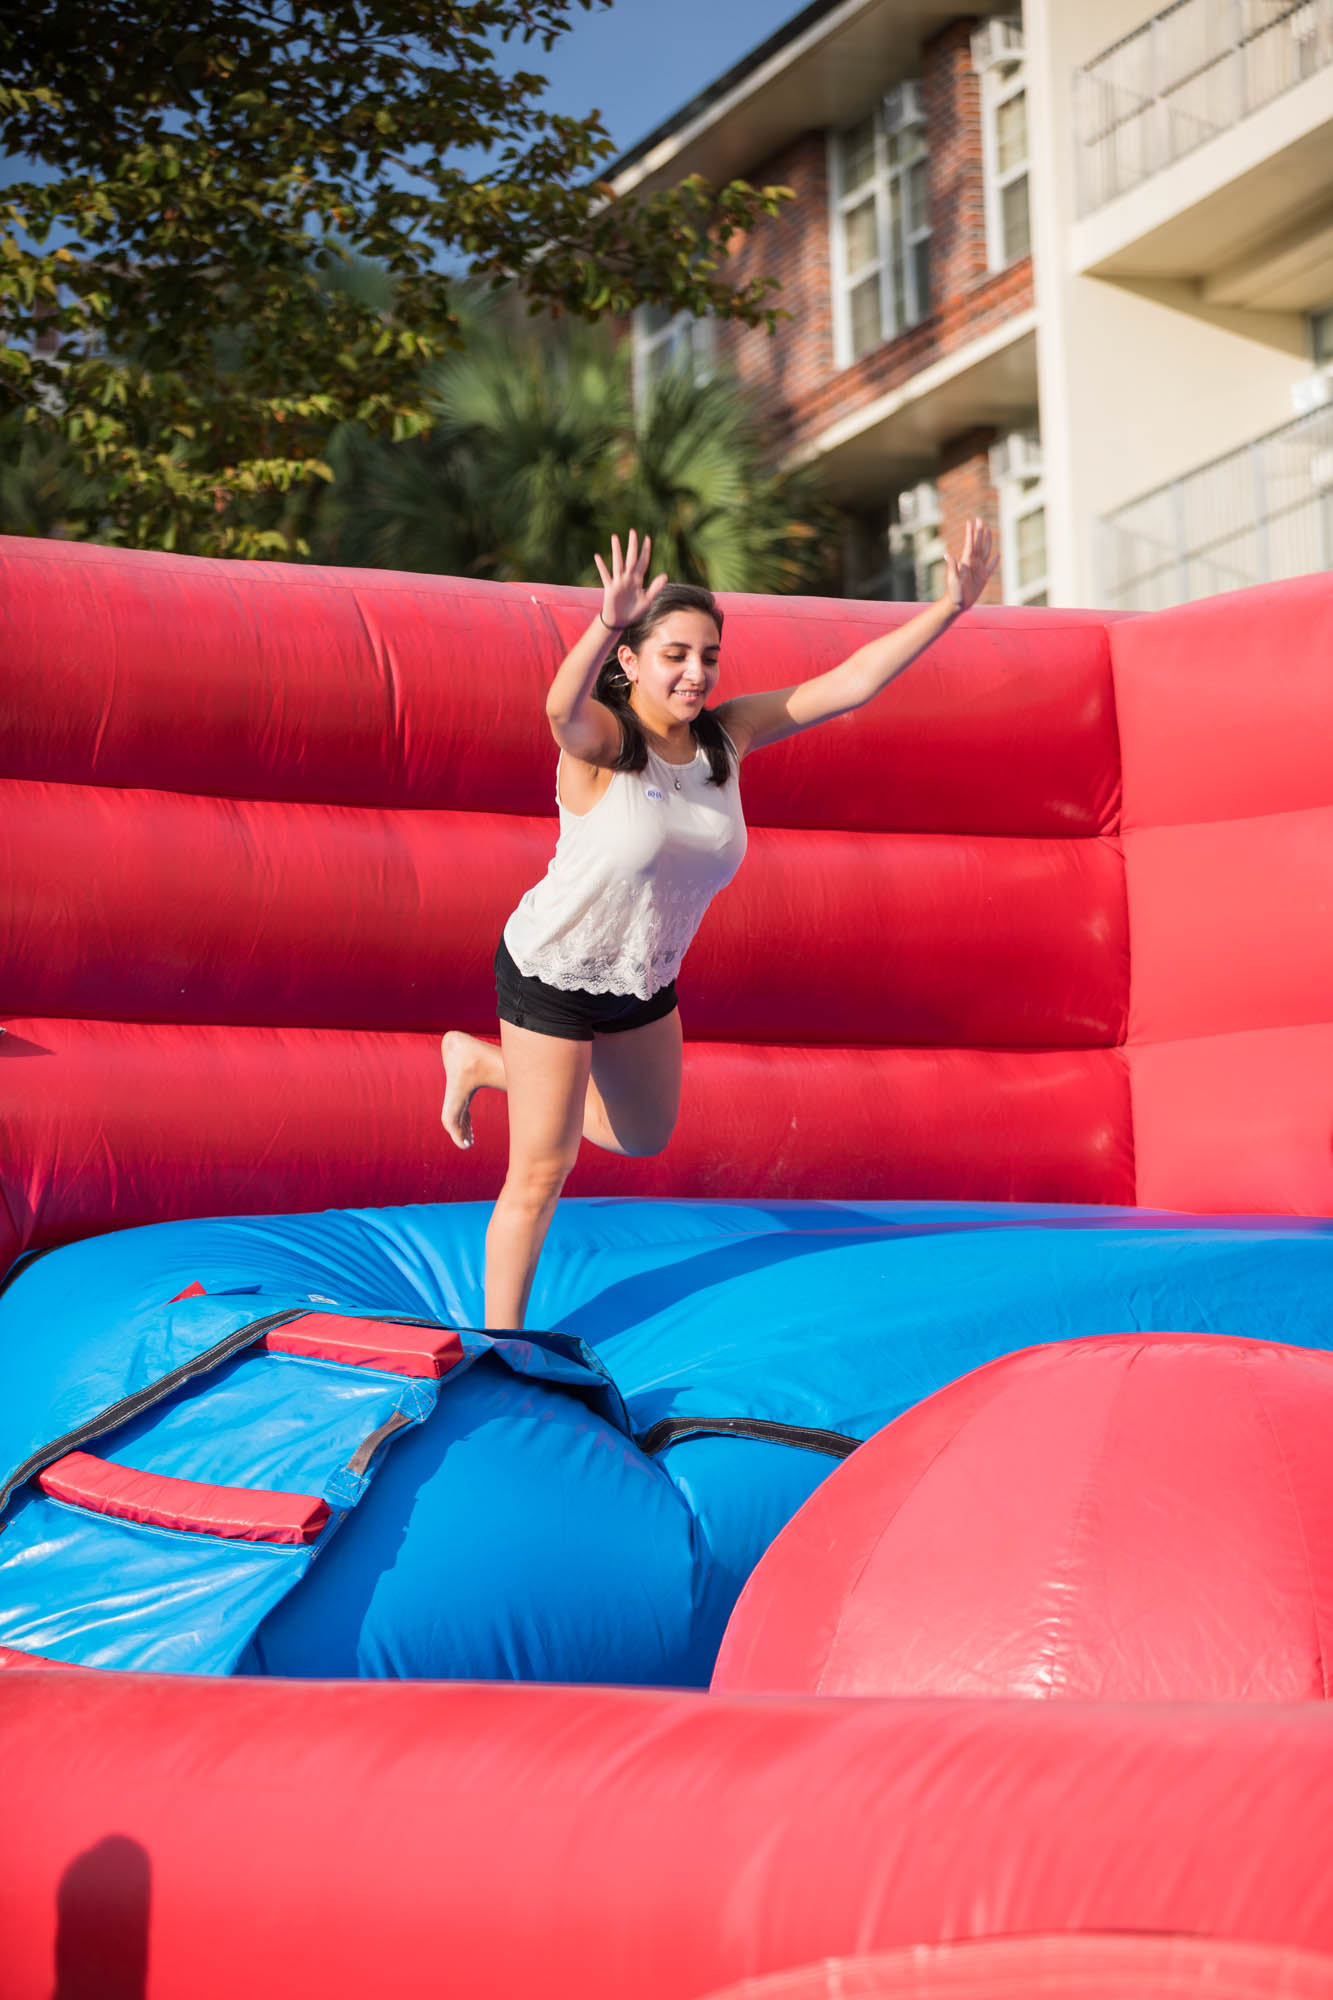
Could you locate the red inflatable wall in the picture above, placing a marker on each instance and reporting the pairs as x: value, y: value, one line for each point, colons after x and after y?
x: 1226, y: 719
x: 261, y: 825
x: 415, y: 1839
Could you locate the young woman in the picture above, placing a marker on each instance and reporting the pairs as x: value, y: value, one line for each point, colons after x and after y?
x: 650, y: 830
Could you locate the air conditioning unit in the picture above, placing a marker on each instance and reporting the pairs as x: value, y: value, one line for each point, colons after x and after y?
x: 997, y: 42
x: 1015, y: 459
x: 919, y: 507
x: 1312, y: 392
x: 902, y: 106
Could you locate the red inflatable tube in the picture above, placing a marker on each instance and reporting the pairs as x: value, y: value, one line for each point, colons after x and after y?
x: 326, y: 916
x: 320, y: 1112
x: 287, y: 1841
x: 368, y: 687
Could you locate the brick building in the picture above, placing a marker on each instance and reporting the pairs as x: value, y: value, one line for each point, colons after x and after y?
x: 962, y: 340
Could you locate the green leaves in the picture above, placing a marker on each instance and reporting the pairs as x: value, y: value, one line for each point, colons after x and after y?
x: 202, y: 169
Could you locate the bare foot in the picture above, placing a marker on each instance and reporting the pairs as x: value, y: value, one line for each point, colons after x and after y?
x: 466, y: 1063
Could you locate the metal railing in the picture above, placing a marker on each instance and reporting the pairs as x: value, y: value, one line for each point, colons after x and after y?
x: 1259, y: 514
x: 1191, y: 72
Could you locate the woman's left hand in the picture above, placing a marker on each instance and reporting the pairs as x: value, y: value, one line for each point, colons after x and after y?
x: 968, y: 575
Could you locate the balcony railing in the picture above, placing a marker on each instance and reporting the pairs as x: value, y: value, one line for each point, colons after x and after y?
x: 1187, y: 75
x: 1260, y: 513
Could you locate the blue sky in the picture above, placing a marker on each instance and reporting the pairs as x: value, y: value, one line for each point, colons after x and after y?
x: 639, y: 60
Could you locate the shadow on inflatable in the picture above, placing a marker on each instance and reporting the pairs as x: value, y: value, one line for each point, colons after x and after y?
x: 898, y: 1560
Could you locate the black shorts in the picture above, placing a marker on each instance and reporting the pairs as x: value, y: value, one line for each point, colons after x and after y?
x: 576, y: 1016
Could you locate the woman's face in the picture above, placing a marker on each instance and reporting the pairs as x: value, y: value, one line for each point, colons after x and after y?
x: 675, y: 669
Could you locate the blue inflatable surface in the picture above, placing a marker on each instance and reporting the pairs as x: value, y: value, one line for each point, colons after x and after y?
x: 582, y: 1503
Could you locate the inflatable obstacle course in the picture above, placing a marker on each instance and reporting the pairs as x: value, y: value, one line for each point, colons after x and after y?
x: 1014, y: 1033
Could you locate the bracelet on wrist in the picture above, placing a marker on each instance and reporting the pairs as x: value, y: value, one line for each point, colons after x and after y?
x: 610, y: 628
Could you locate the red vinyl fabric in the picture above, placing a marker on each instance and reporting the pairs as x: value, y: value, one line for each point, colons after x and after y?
x: 10, y: 1657
x: 1135, y: 1517
x: 157, y: 1500
x: 288, y: 1840
x: 250, y: 1120
x: 254, y: 874
x: 423, y: 1351
x: 1226, y: 723
x: 372, y: 688
x: 1057, y: 1968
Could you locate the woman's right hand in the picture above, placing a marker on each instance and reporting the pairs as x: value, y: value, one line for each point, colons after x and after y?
x: 624, y: 594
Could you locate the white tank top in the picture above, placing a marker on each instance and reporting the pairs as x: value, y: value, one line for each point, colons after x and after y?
x: 630, y: 880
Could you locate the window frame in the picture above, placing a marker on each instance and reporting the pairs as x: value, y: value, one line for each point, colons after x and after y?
x: 1018, y: 499
x: 841, y: 202
x: 1000, y: 82
x: 683, y: 331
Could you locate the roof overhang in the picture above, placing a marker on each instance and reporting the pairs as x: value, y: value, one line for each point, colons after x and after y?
x: 823, y: 69
x: 895, y: 440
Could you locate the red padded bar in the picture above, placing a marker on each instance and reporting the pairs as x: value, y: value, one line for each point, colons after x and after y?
x: 1226, y: 706
x: 313, y: 1119
x: 430, y: 691
x: 235, y: 1513
x: 919, y: 939
x: 429, y: 1351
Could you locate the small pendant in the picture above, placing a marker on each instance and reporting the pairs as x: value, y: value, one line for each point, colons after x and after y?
x: 677, y: 784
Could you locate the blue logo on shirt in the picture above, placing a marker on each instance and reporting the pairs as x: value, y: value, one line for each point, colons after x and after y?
x: 653, y: 793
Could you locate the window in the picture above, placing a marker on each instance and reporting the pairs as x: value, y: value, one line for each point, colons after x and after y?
x: 664, y: 340
x: 880, y: 227
x: 872, y: 563
x: 998, y: 55
x: 1321, y: 337
x: 1025, y: 523
x: 1016, y: 470
x: 919, y: 537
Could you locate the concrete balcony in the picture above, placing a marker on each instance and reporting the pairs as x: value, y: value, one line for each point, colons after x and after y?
x: 1254, y: 516
x: 1203, y: 143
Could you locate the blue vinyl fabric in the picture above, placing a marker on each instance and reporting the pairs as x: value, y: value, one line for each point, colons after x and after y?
x: 515, y: 1527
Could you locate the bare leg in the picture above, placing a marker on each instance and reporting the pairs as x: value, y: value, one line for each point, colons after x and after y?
x: 548, y: 1087
x: 633, y: 1093
x: 621, y: 1091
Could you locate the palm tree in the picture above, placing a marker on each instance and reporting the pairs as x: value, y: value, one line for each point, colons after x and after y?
x: 536, y: 455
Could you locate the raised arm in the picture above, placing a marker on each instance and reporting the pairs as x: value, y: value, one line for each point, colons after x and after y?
x: 753, y: 720
x: 580, y: 724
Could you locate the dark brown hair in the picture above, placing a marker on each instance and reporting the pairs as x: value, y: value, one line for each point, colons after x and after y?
x: 613, y: 685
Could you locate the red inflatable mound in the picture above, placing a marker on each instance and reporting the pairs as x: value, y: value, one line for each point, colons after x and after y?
x: 1057, y: 1968
x: 1142, y: 1516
